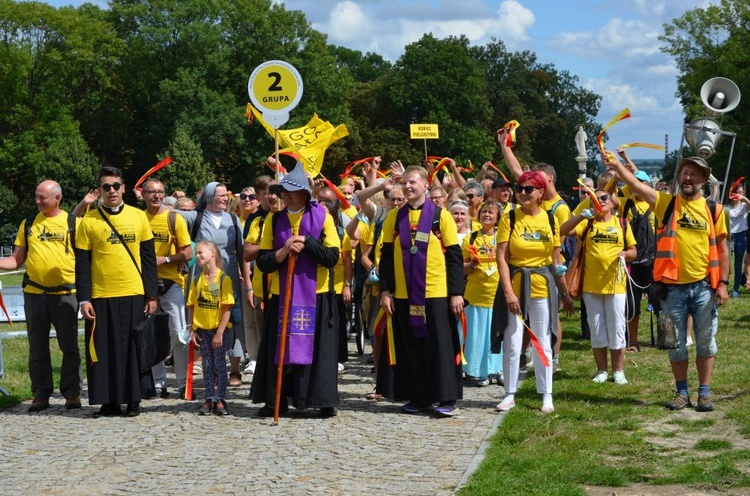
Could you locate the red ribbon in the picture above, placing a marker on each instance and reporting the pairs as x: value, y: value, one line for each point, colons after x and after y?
x: 734, y: 187
x: 153, y: 170
x: 352, y: 165
x: 189, y: 377
x: 5, y: 310
x: 342, y: 199
x: 536, y: 343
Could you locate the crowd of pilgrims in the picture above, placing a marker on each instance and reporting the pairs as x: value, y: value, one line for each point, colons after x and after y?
x: 455, y: 282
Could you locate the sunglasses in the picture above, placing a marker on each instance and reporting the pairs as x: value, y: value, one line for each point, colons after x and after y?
x: 603, y: 198
x: 114, y: 186
x: 248, y: 196
x: 527, y: 190
x: 471, y: 196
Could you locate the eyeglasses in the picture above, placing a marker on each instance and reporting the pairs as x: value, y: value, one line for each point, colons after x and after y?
x: 396, y: 200
x: 114, y: 186
x: 603, y: 198
x: 437, y: 198
x: 154, y: 192
x: 527, y: 190
x: 248, y: 196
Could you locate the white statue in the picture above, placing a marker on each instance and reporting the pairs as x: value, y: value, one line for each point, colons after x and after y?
x: 581, y: 142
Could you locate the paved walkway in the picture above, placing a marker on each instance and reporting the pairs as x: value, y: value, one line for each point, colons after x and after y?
x: 369, y: 448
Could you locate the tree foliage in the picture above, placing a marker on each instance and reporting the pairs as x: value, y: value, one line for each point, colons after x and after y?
x: 145, y: 79
x: 706, y: 43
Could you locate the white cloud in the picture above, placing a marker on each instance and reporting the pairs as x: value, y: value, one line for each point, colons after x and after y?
x: 358, y: 25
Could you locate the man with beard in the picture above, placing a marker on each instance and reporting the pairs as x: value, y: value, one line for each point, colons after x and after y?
x: 692, y: 267
x: 116, y: 284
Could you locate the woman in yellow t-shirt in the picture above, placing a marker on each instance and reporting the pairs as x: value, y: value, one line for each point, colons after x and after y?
x: 528, y: 257
x: 481, y: 285
x: 609, y: 243
x: 210, y: 304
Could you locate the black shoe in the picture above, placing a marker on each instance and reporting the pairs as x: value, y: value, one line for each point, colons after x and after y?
x: 109, y: 410
x: 220, y: 408
x: 164, y: 393
x: 328, y: 412
x: 133, y: 410
x: 267, y: 411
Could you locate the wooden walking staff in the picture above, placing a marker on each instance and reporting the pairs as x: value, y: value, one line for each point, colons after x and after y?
x: 282, y: 344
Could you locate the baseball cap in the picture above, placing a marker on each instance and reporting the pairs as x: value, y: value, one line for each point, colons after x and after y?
x: 500, y: 182
x: 642, y: 176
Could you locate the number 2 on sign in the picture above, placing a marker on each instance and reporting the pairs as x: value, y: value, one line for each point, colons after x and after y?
x: 275, y: 86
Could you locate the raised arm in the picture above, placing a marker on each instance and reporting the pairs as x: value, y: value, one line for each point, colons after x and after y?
x: 510, y: 158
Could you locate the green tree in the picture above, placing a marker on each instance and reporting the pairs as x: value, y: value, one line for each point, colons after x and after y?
x: 706, y: 43
x: 189, y: 171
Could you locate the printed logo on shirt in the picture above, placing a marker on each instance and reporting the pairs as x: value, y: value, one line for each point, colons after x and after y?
x: 608, y: 236
x: 535, y: 237
x: 161, y: 237
x: 51, y: 236
x: 114, y: 240
x: 207, y: 304
x: 686, y: 222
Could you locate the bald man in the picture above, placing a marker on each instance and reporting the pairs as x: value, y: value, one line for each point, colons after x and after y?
x: 45, y: 242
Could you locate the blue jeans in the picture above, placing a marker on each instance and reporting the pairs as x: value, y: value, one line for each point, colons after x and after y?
x: 698, y: 300
x: 739, y: 245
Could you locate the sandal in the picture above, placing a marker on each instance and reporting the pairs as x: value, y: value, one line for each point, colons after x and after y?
x: 633, y: 349
x: 235, y: 380
x: 373, y: 396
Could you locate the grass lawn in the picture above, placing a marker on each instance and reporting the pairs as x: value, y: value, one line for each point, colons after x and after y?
x: 614, y: 436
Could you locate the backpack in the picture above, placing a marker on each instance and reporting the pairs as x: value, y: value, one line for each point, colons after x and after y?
x: 643, y: 232
x: 568, y: 248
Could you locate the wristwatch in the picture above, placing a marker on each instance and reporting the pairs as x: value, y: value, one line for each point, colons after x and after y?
x: 724, y: 282
x: 167, y: 260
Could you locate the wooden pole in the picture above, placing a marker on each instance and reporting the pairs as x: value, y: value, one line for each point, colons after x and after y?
x: 282, y: 344
x: 276, y: 154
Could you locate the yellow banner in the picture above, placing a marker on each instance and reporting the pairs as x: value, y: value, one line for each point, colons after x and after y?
x: 424, y: 131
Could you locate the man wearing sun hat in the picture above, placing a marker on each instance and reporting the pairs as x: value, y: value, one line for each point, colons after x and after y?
x: 692, y: 267
x: 305, y: 230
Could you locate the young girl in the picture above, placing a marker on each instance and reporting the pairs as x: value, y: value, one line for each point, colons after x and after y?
x: 211, y: 301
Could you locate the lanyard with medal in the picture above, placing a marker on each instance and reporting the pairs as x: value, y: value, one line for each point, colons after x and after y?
x: 489, y: 249
x: 417, y: 235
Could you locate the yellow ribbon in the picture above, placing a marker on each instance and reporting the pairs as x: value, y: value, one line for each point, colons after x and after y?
x: 623, y: 114
x: 92, y: 348
x: 642, y: 145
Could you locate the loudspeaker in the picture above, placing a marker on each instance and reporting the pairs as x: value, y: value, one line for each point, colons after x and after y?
x: 720, y: 95
x: 703, y: 135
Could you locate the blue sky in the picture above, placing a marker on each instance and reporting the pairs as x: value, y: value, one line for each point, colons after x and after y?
x: 612, y: 46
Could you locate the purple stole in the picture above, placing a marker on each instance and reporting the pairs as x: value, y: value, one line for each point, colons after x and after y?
x: 301, y: 331
x: 414, y: 257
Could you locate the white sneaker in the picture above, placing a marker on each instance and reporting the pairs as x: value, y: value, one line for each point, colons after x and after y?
x: 601, y: 377
x: 250, y: 369
x: 547, y: 406
x: 508, y: 402
x: 620, y: 377
x: 341, y: 367
x: 689, y: 341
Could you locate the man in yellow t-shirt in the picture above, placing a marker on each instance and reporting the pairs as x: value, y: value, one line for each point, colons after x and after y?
x: 46, y: 246
x: 116, y: 283
x: 692, y: 265
x: 172, y: 247
x: 421, y: 288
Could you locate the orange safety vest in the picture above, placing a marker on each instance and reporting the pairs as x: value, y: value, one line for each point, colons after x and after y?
x: 666, y: 263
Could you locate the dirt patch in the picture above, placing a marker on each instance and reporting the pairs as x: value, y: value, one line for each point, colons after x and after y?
x: 646, y: 490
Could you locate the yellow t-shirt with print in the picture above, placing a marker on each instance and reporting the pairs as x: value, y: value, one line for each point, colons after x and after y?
x: 481, y: 283
x: 330, y: 240
x: 604, y: 241
x: 437, y: 283
x: 209, y: 300
x: 164, y: 243
x: 692, y: 235
x: 531, y: 244
x: 113, y: 273
x: 50, y: 258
